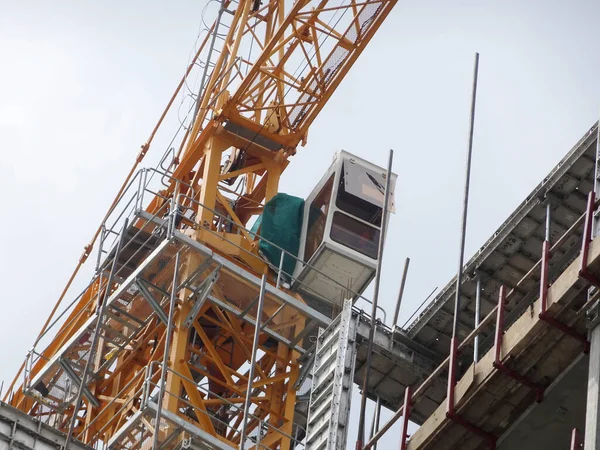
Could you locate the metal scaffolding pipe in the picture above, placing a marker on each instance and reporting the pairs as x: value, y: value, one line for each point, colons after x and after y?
x: 477, y: 318
x: 463, y: 226
x: 100, y: 308
x: 363, y: 400
x: 163, y: 373
x: 376, y: 420
x: 575, y: 440
x: 548, y: 219
x: 261, y: 301
x: 596, y: 188
x: 450, y: 411
x: 401, y: 292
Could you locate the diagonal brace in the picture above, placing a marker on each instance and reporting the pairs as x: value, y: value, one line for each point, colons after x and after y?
x: 151, y: 300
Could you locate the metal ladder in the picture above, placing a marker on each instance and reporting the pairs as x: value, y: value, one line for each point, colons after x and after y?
x: 333, y: 375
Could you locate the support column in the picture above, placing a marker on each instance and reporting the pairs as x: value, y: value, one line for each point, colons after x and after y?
x: 178, y: 346
x: 596, y: 227
x: 477, y: 318
x: 210, y: 178
x: 592, y: 413
x: 274, y: 170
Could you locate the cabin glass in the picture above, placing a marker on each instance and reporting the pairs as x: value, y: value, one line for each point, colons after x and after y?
x: 358, y: 192
x: 317, y: 218
x: 355, y: 234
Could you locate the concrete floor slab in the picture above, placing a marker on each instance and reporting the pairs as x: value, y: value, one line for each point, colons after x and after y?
x: 548, y: 425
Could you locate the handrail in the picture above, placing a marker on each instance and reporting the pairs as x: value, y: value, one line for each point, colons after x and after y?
x: 168, y: 209
x: 102, y: 286
x: 426, y: 384
x: 282, y: 250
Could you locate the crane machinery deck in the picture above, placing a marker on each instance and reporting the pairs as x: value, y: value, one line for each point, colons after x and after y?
x: 198, y: 330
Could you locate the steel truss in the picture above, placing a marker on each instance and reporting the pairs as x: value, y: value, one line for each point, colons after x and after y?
x: 215, y: 316
x: 180, y: 290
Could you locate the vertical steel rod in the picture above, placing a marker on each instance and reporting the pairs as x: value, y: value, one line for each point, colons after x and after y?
x: 477, y: 318
x: 163, y: 372
x: 596, y: 177
x: 463, y: 226
x: 100, y: 309
x: 363, y: 400
x: 548, y: 219
x: 575, y: 442
x: 591, y: 439
x: 258, y: 432
x: 261, y: 301
x: 461, y: 257
x: 405, y: 417
x: 280, y: 269
x: 401, y: 292
x: 375, y: 422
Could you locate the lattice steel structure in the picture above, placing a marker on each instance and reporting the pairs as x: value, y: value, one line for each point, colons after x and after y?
x: 157, y: 348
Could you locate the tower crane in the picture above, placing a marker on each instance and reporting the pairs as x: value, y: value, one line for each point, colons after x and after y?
x: 192, y: 330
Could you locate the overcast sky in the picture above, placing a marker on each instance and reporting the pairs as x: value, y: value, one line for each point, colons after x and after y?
x: 82, y: 83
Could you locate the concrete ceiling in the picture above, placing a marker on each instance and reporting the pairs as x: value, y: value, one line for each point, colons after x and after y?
x: 548, y: 425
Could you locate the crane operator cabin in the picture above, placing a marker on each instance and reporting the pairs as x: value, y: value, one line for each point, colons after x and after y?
x: 335, y: 232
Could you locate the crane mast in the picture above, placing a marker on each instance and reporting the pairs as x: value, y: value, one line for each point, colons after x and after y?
x: 158, y: 348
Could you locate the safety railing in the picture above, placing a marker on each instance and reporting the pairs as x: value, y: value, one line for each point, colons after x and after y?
x: 164, y: 213
x: 149, y: 190
x: 143, y: 232
x: 187, y: 203
x: 495, y: 321
x: 143, y: 236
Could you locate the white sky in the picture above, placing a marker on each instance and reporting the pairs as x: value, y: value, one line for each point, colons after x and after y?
x: 82, y: 83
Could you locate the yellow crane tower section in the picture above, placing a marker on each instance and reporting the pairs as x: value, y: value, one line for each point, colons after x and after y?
x: 114, y: 373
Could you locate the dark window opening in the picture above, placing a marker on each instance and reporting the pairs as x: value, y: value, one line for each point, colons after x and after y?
x: 355, y: 234
x: 357, y: 206
x: 317, y: 217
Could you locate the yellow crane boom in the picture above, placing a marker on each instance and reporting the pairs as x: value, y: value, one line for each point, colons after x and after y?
x: 268, y: 69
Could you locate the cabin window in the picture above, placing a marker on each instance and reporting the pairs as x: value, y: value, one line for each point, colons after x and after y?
x: 355, y: 234
x: 357, y: 181
x: 317, y: 217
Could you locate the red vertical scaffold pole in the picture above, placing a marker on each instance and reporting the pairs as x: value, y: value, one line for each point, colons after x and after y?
x: 450, y: 401
x: 498, y: 364
x: 583, y: 273
x: 575, y: 440
x: 405, y: 417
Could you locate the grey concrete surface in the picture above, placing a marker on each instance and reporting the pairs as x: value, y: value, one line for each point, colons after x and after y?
x: 548, y: 425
